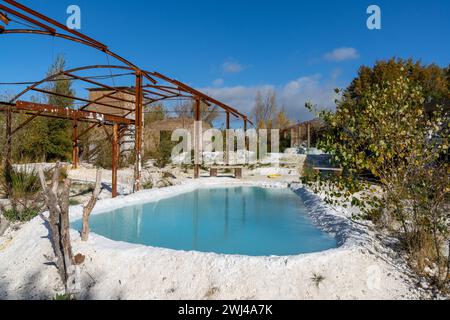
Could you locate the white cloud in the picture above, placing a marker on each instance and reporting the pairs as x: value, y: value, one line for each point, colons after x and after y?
x: 218, y: 82
x: 342, y: 54
x: 232, y: 67
x: 292, y: 95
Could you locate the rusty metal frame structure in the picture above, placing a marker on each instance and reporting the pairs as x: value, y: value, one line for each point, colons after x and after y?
x: 146, y: 89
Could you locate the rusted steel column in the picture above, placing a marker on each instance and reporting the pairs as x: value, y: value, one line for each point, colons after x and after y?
x: 138, y: 133
x: 115, y: 158
x: 75, y: 149
x: 227, y: 138
x: 245, y: 134
x: 197, y: 137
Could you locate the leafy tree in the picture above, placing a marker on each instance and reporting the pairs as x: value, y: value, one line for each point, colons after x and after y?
x: 59, y: 146
x: 46, y: 139
x: 265, y: 109
x: 434, y: 80
x: 208, y: 113
x: 282, y: 121
x: 382, y: 126
x: 155, y: 113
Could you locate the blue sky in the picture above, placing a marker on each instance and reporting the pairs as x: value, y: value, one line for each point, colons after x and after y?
x: 231, y: 49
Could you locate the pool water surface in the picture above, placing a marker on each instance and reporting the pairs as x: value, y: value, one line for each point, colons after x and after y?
x: 238, y: 220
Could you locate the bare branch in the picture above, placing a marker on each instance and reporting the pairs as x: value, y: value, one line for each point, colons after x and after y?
x: 90, y: 206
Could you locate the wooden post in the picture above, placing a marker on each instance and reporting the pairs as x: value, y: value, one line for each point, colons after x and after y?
x: 197, y: 137
x: 75, y: 149
x: 58, y: 223
x: 115, y: 158
x: 138, y: 132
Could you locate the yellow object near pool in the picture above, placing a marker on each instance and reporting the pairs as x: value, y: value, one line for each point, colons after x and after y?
x: 274, y: 176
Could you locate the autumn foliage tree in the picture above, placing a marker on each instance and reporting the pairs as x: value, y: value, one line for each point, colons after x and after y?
x: 392, y: 123
x: 266, y: 112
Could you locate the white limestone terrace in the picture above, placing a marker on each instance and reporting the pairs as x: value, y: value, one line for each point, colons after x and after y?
x: 362, y: 267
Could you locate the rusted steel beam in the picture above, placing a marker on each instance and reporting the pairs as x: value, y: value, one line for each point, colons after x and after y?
x: 4, y: 18
x: 23, y: 124
x: 108, y: 135
x: 40, y: 114
x: 104, y: 86
x: 73, y: 35
x: 87, y: 130
x: 68, y: 113
x: 26, y: 18
x: 56, y: 23
x: 77, y: 98
x: 168, y: 98
x: 138, y: 132
x: 155, y: 93
x: 174, y: 91
x: 197, y: 93
x: 81, y: 41
x: 71, y: 71
x: 115, y: 158
x: 109, y: 95
x: 48, y: 33
x: 122, y: 131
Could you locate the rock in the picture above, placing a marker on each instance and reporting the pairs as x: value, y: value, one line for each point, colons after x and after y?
x: 79, y: 259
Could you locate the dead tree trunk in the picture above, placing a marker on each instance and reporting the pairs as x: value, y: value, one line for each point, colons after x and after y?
x: 4, y: 224
x: 90, y: 206
x: 58, y: 221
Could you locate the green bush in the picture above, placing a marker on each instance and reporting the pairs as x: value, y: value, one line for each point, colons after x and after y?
x: 24, y: 193
x: 385, y: 128
x: 20, y: 215
x: 74, y: 202
x: 163, y: 153
x: 148, y: 184
x: 62, y: 297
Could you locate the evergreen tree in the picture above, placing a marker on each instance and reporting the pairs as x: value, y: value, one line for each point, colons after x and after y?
x: 59, y: 139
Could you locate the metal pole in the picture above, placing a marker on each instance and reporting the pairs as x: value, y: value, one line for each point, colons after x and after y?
x: 197, y: 139
x: 138, y: 133
x: 115, y: 158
